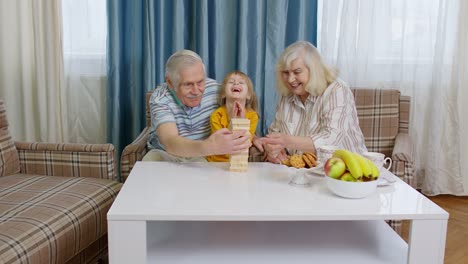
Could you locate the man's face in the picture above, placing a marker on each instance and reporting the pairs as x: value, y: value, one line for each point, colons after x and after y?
x: 191, y: 85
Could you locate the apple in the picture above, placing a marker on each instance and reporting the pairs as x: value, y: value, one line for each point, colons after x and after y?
x: 334, y: 167
x: 348, y: 177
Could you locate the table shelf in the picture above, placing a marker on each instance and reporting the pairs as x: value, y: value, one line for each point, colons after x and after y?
x: 363, y: 242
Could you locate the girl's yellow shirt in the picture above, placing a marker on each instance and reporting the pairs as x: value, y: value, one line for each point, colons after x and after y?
x: 219, y: 119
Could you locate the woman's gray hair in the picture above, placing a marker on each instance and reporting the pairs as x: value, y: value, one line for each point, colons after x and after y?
x: 320, y: 75
x: 178, y: 61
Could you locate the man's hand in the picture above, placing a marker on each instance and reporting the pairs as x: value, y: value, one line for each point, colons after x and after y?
x: 225, y: 141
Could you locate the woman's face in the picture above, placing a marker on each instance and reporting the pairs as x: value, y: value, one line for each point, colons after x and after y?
x: 296, y: 77
x: 236, y: 88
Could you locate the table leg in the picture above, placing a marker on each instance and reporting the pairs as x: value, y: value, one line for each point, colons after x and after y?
x: 127, y: 242
x: 427, y: 241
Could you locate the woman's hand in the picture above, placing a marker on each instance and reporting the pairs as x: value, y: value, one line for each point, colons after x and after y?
x: 276, y: 157
x: 276, y: 141
x: 258, y: 143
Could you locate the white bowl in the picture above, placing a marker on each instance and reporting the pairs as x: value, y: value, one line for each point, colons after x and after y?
x: 351, y: 189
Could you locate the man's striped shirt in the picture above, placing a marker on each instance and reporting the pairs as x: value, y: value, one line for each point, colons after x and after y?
x: 192, y: 122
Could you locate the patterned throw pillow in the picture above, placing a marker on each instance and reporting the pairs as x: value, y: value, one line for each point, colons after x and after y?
x: 378, y: 112
x: 9, y: 161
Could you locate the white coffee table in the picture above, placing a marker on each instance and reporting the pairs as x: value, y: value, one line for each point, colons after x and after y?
x: 202, y: 213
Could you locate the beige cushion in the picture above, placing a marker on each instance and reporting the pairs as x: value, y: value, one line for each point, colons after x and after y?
x: 378, y: 113
x: 9, y: 161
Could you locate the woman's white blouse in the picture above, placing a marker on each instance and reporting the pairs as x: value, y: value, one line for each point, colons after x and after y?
x: 329, y: 119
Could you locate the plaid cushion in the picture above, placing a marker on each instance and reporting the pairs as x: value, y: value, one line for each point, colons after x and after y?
x: 378, y: 112
x: 51, y: 219
x: 63, y: 159
x: 96, y: 253
x: 133, y: 153
x: 147, y: 108
x: 9, y: 162
x: 405, y: 102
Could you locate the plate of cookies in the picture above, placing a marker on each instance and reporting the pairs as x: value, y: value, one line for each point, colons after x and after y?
x: 301, y: 165
x: 306, y: 160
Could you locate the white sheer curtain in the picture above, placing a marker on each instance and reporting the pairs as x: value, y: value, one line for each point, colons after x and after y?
x: 85, y: 32
x: 419, y: 47
x: 31, y: 69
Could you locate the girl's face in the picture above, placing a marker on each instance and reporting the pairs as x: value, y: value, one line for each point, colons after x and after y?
x: 236, y: 87
x: 296, y: 77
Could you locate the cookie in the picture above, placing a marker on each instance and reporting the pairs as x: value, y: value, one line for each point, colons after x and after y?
x: 297, y: 161
x: 309, y: 163
x: 286, y: 162
x: 311, y: 155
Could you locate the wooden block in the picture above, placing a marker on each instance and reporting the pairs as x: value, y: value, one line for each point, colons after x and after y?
x: 239, y: 162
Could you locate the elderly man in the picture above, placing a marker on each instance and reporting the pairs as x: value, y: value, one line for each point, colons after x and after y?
x: 180, y: 115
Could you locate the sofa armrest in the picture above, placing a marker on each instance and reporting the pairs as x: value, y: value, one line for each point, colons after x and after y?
x: 403, y: 159
x: 133, y: 152
x: 66, y: 159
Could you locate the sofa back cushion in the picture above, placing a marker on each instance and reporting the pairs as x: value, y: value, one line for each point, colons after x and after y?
x: 378, y: 113
x: 9, y: 161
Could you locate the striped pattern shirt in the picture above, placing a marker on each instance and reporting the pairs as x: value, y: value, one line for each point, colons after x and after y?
x: 192, y: 122
x: 328, y: 119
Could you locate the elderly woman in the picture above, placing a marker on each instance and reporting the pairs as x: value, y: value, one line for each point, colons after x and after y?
x: 315, y: 108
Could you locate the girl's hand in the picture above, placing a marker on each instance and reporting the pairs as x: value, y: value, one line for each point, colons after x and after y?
x: 238, y: 110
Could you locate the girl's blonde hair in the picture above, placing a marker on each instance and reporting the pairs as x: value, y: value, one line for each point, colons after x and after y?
x: 320, y: 75
x: 251, y: 102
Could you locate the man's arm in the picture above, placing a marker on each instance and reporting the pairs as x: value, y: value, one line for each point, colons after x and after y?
x: 222, y: 141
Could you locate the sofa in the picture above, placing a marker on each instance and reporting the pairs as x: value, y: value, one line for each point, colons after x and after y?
x: 54, y: 199
x: 383, y: 117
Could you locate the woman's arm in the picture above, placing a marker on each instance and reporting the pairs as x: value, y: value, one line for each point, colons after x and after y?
x: 339, y: 124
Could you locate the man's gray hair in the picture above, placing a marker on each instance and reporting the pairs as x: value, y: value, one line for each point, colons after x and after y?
x: 178, y: 61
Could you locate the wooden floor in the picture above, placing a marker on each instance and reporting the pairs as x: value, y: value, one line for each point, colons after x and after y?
x: 456, y: 247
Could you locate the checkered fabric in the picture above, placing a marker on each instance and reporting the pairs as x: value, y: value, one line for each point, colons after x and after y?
x: 9, y: 162
x: 64, y: 159
x: 47, y: 219
x: 138, y: 148
x: 96, y: 253
x: 133, y: 153
x: 384, y: 121
x: 378, y: 112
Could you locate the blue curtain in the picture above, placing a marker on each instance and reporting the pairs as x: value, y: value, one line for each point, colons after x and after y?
x: 229, y: 35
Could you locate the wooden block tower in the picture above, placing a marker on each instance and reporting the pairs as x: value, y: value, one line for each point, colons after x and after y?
x: 239, y: 162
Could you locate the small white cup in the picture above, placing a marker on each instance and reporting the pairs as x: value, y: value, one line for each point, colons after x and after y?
x: 325, y: 152
x: 379, y: 159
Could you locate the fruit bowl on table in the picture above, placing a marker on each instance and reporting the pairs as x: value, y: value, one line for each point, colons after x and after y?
x: 349, y: 189
x: 351, y: 175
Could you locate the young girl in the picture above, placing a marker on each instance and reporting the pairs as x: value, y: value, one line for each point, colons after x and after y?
x: 237, y: 100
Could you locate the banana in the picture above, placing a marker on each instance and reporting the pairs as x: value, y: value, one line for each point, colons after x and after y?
x: 365, y: 167
x: 351, y: 162
x: 375, y: 170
